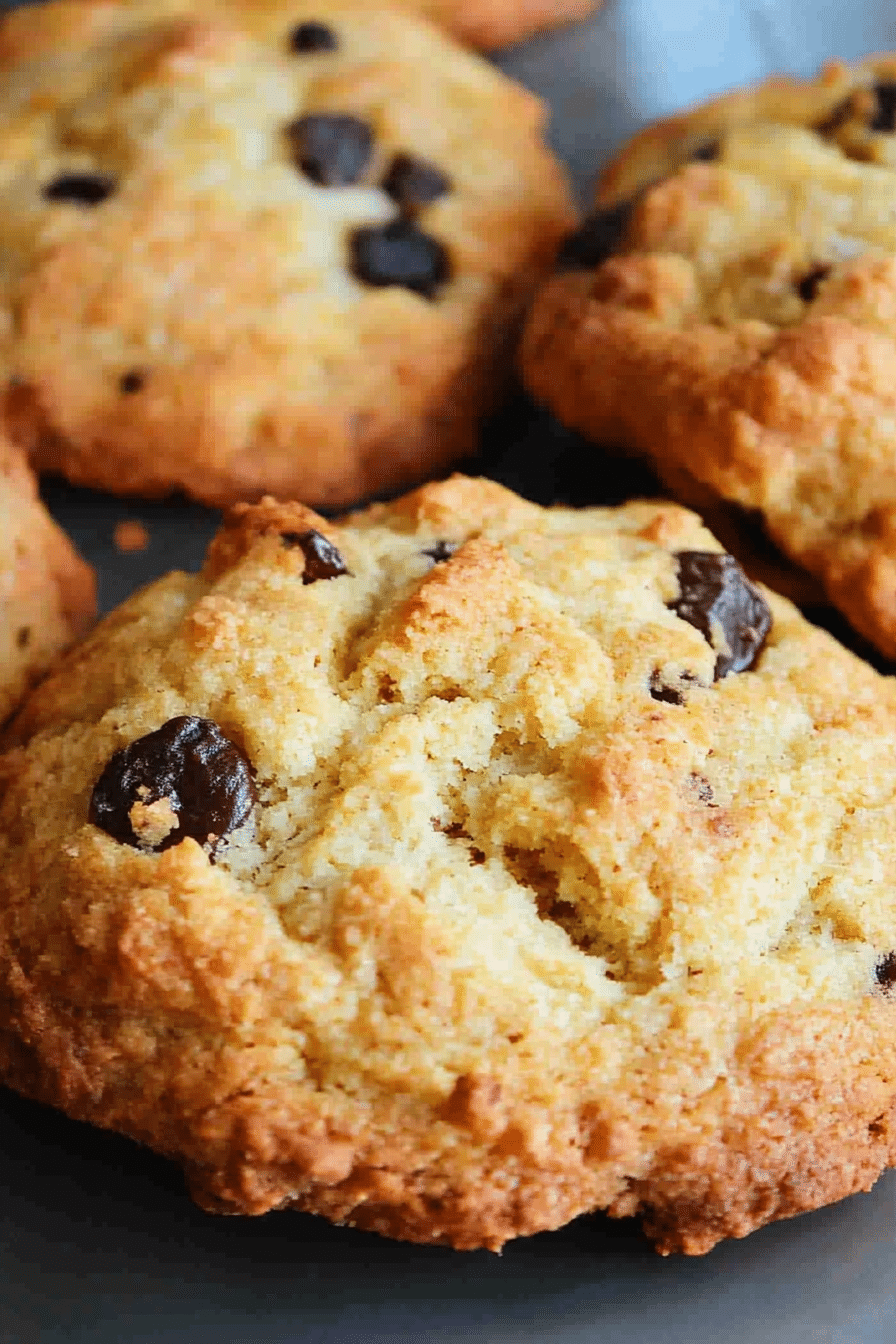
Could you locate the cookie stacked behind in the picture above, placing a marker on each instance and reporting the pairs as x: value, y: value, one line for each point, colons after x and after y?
x: 459, y: 868
x: 495, y: 23
x: 46, y: 590
x: 730, y: 312
x: 258, y: 246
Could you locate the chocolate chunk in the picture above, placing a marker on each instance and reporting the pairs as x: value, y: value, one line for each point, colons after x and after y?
x: 719, y: 600
x: 322, y: 560
x: 884, y: 118
x: 707, y: 152
x: 188, y: 762
x: 23, y: 636
x: 309, y: 37
x: 79, y: 188
x: 413, y: 182
x: 597, y: 239
x: 807, y: 287
x: 885, y: 971
x: 669, y: 695
x: 131, y: 382
x: 332, y: 150
x: 440, y: 551
x: 399, y: 253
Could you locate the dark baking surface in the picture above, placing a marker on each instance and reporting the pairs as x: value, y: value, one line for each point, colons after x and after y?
x: 99, y: 1244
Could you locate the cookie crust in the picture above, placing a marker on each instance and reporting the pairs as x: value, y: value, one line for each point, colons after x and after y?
x: 185, y: 304
x: 509, y: 936
x: 739, y: 331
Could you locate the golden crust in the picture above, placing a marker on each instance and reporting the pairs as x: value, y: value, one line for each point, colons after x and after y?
x: 202, y: 328
x: 508, y: 937
x: 495, y: 23
x: 47, y: 593
x: 744, y: 334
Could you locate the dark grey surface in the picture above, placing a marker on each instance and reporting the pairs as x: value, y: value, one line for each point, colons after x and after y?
x: 98, y: 1242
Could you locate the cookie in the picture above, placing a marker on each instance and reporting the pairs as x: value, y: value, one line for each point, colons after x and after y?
x: 496, y: 23
x: 458, y: 868
x: 260, y: 245
x: 46, y: 590
x: 730, y: 311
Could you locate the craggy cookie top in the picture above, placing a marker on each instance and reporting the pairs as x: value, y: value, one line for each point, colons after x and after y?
x: 730, y: 310
x: 259, y: 245
x: 46, y: 589
x: 460, y: 867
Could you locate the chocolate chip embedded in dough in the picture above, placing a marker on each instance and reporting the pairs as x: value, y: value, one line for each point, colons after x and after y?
x: 440, y: 551
x: 79, y: 189
x: 807, y: 287
x: 707, y: 151
x: 310, y: 37
x: 719, y: 600
x: 597, y: 239
x: 884, y: 118
x: 322, y: 559
x: 399, y: 253
x: 333, y: 150
x: 885, y: 971
x: 188, y: 763
x: 413, y: 182
x: 131, y: 382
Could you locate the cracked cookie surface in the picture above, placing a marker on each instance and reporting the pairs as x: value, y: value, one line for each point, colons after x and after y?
x: 460, y: 867
x: 46, y: 590
x: 730, y: 312
x: 260, y: 246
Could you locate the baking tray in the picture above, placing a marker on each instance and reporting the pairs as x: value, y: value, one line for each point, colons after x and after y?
x: 99, y: 1243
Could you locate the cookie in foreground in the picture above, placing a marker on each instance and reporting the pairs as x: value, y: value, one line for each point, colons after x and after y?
x: 730, y: 312
x: 458, y: 868
x: 261, y: 246
x: 47, y: 592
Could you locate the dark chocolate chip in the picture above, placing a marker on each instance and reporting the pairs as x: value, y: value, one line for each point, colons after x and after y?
x: 332, y: 150
x: 79, y: 188
x: 597, y: 239
x: 885, y: 971
x: 399, y: 253
x: 413, y: 182
x: 884, y: 118
x: 311, y: 36
x: 205, y: 778
x: 807, y: 287
x: 131, y: 382
x: 717, y: 598
x: 23, y: 636
x: 707, y: 152
x: 440, y: 551
x: 322, y: 560
x: 669, y: 695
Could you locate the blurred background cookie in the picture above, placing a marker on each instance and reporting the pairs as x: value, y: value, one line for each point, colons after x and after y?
x: 495, y: 23
x: 260, y: 247
x: 46, y: 590
x: 729, y: 311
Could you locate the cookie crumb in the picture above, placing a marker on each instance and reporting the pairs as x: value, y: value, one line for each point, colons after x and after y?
x: 130, y: 535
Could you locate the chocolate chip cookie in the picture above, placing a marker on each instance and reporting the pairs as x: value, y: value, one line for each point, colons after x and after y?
x: 46, y: 590
x: 458, y: 868
x: 260, y: 245
x: 729, y: 310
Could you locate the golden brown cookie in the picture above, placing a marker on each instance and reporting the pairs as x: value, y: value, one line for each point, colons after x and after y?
x: 458, y: 868
x: 495, y: 23
x: 46, y: 591
x: 260, y: 245
x: 730, y: 311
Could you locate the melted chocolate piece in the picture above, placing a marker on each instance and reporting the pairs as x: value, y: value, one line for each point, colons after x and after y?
x: 205, y: 778
x: 717, y: 595
x: 399, y: 253
x: 597, y: 239
x: 412, y: 182
x: 311, y: 37
x: 884, y: 118
x: 332, y: 150
x: 440, y: 551
x: 322, y: 560
x: 131, y: 382
x: 708, y: 152
x: 807, y: 287
x: 79, y: 189
x: 885, y: 971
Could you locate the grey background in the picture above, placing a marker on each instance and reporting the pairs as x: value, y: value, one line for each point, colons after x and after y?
x: 98, y: 1242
